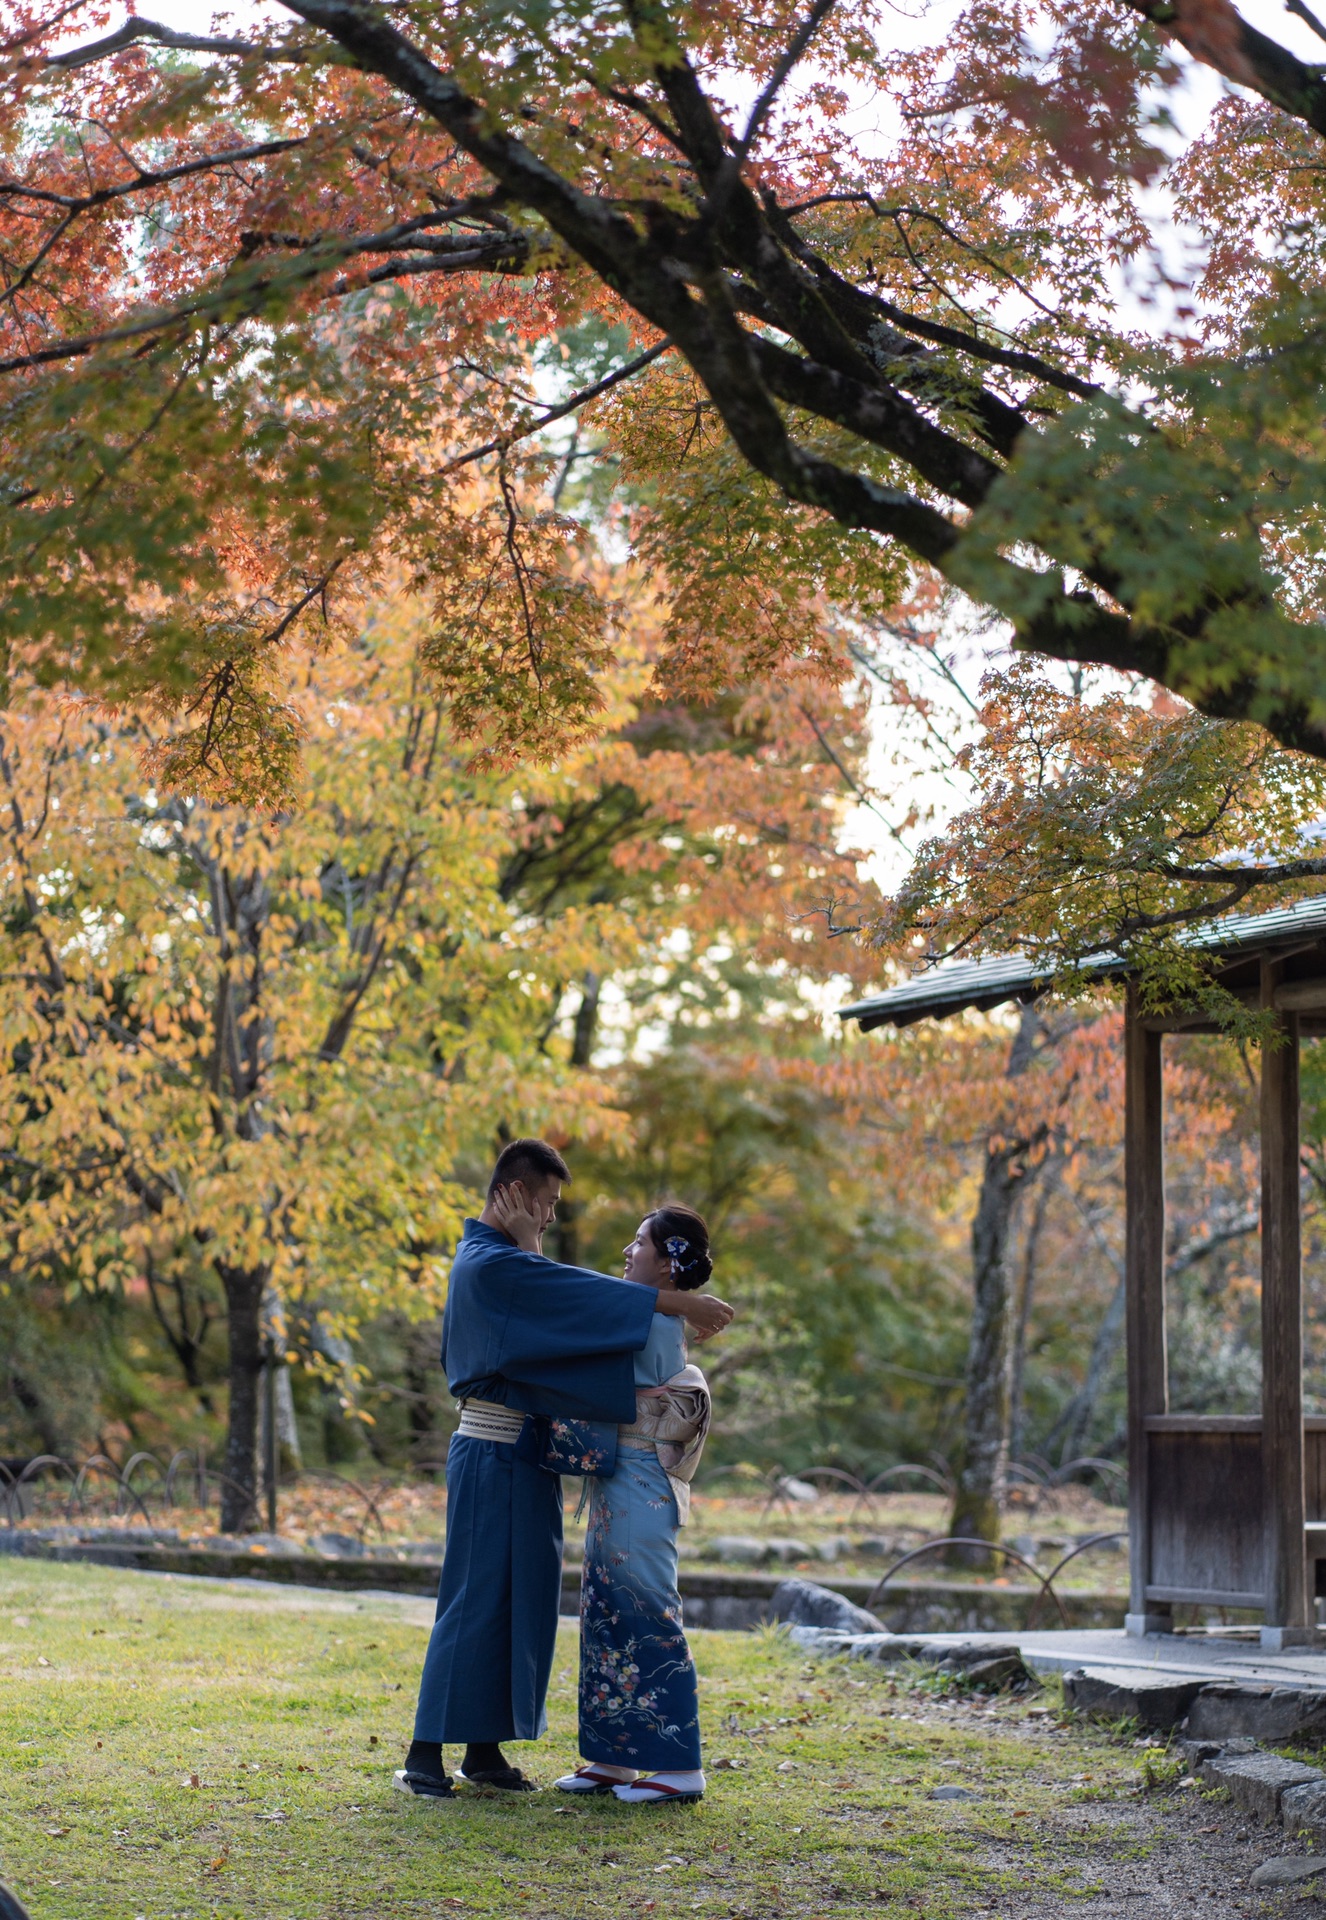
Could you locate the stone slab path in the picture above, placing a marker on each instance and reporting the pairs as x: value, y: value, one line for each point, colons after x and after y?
x: 1189, y: 1656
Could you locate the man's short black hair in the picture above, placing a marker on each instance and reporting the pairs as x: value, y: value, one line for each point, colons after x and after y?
x: 529, y: 1161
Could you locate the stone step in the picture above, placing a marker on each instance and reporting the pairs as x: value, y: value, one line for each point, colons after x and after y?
x: 1257, y: 1781
x: 1157, y: 1701
x: 1273, y: 1714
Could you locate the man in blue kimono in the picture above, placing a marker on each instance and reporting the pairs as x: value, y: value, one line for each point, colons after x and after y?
x: 521, y: 1336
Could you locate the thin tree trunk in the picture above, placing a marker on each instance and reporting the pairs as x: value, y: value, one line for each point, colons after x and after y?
x: 1017, y: 1414
x: 239, y: 1492
x: 186, y: 1334
x: 982, y: 1470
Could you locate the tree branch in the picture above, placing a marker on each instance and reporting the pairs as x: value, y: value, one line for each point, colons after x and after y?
x: 1215, y: 33
x: 135, y: 29
x: 559, y: 412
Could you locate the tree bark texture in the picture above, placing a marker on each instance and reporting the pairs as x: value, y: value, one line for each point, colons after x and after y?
x: 982, y: 1472
x: 983, y: 1468
x: 239, y: 1490
x: 1017, y: 1415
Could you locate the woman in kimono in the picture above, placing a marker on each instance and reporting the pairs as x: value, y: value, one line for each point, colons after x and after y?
x: 639, y: 1709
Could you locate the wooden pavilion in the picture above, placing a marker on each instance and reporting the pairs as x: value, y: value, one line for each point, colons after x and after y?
x: 1223, y: 1509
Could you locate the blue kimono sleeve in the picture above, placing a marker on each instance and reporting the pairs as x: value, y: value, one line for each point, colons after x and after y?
x: 560, y: 1313
x: 663, y: 1354
x: 590, y: 1447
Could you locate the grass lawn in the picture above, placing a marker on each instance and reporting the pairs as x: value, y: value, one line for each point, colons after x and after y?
x: 188, y: 1748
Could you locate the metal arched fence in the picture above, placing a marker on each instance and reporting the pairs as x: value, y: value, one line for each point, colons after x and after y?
x: 1045, y: 1587
x: 1043, y: 1483
x: 147, y: 1487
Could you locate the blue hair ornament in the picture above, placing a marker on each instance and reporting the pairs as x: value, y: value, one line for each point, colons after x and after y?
x: 675, y: 1247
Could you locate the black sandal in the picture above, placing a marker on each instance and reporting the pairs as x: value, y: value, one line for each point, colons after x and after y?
x: 509, y: 1779
x: 424, y: 1786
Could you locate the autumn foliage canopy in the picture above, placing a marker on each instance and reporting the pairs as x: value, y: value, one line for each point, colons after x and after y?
x: 279, y: 301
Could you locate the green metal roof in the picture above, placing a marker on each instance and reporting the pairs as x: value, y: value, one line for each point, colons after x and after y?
x: 954, y: 985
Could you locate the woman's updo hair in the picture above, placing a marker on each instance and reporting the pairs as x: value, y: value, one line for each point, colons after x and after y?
x: 681, y: 1236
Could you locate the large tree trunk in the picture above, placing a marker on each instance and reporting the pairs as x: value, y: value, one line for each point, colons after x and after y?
x: 1017, y: 1415
x: 239, y: 1492
x: 983, y: 1466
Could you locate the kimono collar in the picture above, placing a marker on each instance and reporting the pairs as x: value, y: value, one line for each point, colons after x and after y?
x: 480, y: 1230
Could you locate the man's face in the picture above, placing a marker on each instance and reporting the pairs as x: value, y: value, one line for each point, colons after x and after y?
x: 543, y: 1196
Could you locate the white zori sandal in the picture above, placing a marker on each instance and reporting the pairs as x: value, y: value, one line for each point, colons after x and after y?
x: 655, y: 1787
x: 590, y: 1779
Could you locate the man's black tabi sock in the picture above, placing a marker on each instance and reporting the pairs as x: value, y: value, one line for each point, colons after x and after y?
x: 425, y: 1756
x: 482, y: 1756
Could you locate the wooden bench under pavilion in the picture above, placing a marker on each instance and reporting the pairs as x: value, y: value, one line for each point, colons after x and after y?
x: 1224, y: 1510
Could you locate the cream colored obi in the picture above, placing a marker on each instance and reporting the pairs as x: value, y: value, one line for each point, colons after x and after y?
x: 486, y: 1420
x: 672, y: 1421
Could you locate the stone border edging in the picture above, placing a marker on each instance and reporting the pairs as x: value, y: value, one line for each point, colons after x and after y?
x: 731, y: 1601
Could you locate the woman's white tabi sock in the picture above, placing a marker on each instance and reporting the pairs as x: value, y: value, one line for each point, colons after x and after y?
x: 661, y: 1786
x: 592, y: 1775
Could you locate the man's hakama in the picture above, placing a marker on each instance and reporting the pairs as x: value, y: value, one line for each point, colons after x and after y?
x: 491, y: 1649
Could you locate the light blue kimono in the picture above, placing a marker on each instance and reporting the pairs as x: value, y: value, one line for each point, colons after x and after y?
x: 639, y: 1702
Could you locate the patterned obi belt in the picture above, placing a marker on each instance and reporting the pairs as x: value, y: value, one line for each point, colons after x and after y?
x: 485, y: 1420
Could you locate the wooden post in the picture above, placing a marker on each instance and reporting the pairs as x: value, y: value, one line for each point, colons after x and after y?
x: 1289, y: 1614
x: 1148, y: 1373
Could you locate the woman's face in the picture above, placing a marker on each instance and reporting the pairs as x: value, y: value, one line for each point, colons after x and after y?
x: 643, y: 1262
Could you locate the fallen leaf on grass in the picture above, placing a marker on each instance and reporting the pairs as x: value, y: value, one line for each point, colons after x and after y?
x: 42, y: 1661
x: 1022, y: 1814
x: 192, y: 1780
x: 55, y: 1833
x: 786, y: 1766
x: 218, y: 1865
x: 271, y: 1816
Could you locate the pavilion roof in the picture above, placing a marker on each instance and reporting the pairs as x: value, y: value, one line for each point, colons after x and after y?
x: 954, y: 985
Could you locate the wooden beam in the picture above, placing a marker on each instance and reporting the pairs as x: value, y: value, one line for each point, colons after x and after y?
x: 1204, y: 1597
x: 1205, y: 1423
x: 1301, y: 996
x: 1148, y: 1378
x: 1288, y: 1617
